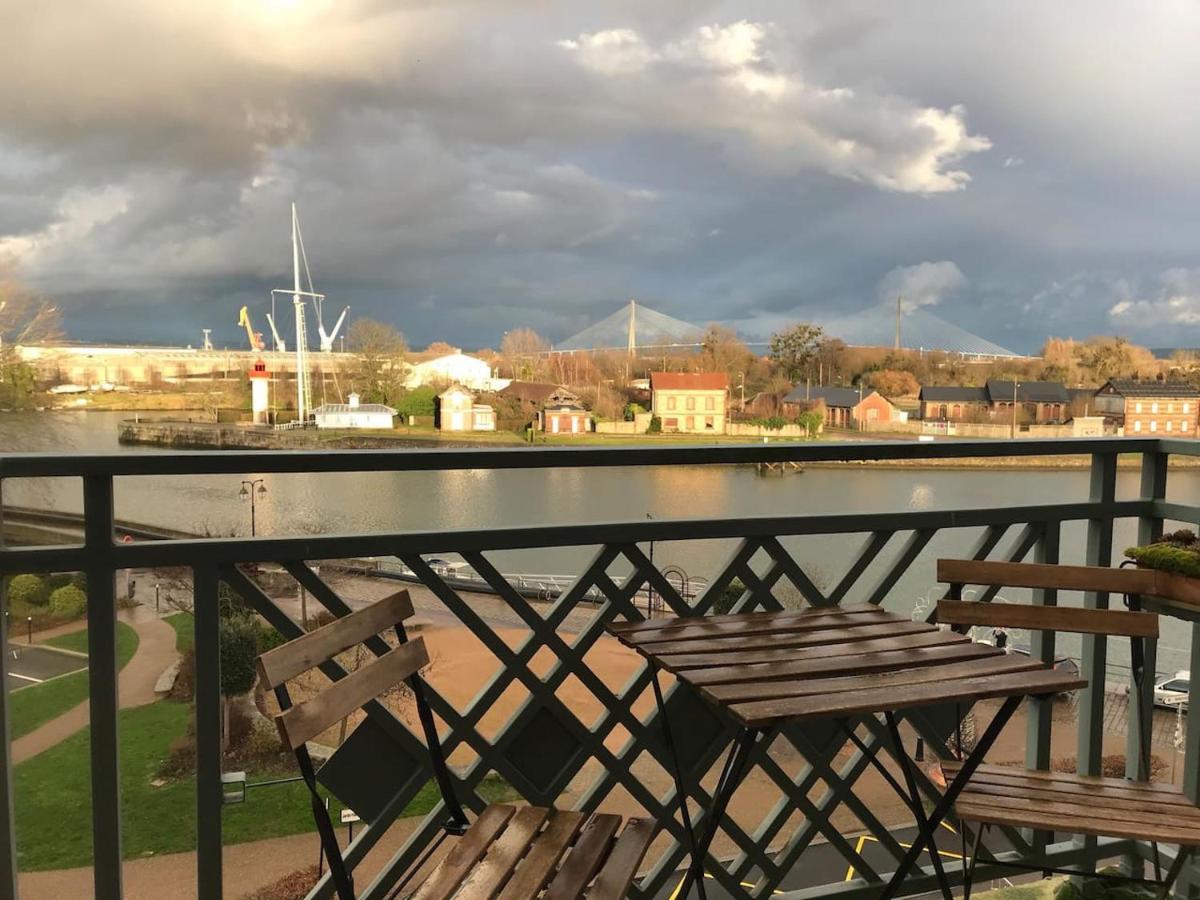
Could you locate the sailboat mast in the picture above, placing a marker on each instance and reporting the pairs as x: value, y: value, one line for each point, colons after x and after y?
x: 301, y: 342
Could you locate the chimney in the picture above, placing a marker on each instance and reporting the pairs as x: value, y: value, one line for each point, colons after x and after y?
x: 353, y: 399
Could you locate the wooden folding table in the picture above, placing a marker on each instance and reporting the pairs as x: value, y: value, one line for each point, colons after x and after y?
x: 766, y: 670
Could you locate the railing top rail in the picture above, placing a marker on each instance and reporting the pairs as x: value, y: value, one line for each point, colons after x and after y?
x: 239, y: 549
x: 224, y: 462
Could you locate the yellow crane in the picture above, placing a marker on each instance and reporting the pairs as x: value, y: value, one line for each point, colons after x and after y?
x: 256, y: 338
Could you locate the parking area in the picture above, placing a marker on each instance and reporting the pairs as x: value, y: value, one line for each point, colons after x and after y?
x: 29, y: 665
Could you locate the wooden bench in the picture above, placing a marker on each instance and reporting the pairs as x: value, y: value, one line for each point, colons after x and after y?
x: 1063, y: 802
x: 508, y: 852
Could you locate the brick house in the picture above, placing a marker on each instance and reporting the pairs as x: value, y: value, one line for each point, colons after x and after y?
x: 1037, y: 401
x: 844, y: 407
x: 690, y: 402
x: 954, y: 404
x: 564, y: 418
x: 1149, y: 407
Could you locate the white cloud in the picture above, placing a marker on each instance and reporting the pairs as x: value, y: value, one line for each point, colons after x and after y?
x: 736, y: 84
x: 925, y: 284
x: 79, y: 214
x: 1176, y: 301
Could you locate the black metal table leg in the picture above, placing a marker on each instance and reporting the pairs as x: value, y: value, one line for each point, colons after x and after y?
x: 677, y: 772
x: 943, y: 807
x: 925, y: 828
x: 731, y: 776
x: 910, y: 797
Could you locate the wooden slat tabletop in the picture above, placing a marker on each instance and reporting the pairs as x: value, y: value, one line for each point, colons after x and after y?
x: 768, y: 668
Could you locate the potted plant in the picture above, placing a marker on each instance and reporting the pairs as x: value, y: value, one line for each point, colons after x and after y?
x: 1175, y: 560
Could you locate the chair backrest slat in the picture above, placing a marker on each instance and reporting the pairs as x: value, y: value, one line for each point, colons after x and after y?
x: 309, y: 650
x: 1050, y: 577
x: 306, y: 720
x: 1050, y: 618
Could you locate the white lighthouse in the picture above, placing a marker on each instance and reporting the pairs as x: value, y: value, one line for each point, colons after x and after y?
x: 260, y: 386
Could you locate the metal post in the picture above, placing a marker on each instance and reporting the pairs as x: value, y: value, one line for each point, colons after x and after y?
x: 208, y: 733
x: 1141, y: 699
x: 102, y: 684
x: 8, y: 834
x: 1094, y: 647
x: 1040, y: 710
x: 29, y: 629
x: 156, y: 595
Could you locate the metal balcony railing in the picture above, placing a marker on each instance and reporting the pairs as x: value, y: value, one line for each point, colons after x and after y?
x: 543, y: 747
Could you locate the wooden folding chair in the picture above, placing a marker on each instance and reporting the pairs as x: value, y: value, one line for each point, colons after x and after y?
x: 1064, y: 802
x: 508, y: 852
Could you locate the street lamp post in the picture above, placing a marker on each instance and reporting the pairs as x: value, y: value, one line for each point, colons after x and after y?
x: 249, y: 489
x: 1013, y: 431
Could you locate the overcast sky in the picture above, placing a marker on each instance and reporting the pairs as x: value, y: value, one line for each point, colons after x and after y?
x: 462, y: 168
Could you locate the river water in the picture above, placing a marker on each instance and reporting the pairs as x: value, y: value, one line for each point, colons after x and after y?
x: 379, y: 502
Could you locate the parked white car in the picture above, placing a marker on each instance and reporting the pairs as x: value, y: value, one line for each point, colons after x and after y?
x: 1172, y: 690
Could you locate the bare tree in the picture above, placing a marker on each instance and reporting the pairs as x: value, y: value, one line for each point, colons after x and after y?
x: 381, y: 349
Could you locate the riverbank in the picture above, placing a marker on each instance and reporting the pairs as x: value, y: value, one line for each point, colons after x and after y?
x: 185, y: 435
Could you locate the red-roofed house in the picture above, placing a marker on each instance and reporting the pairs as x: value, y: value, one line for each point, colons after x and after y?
x: 691, y: 402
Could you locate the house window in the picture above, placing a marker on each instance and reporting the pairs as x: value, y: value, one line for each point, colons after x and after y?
x: 670, y: 403
x: 942, y: 411
x: 1137, y: 407
x: 691, y: 403
x: 708, y: 422
x: 1170, y: 407
x: 710, y: 403
x: 1137, y: 424
x: 958, y: 410
x: 1169, y: 424
x: 670, y: 423
x: 690, y: 423
x: 1183, y: 426
x: 1154, y: 408
x: 1154, y: 424
x: 1187, y: 408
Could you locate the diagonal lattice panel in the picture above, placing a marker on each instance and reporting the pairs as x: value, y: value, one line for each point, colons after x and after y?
x: 544, y: 749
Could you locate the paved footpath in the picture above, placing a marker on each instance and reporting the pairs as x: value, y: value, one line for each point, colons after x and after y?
x: 155, y: 651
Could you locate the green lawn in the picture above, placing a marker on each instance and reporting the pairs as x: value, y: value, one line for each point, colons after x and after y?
x: 52, y: 793
x: 34, y: 706
x: 75, y: 640
x: 184, y: 624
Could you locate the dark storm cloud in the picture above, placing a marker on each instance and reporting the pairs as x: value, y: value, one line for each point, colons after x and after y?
x: 496, y: 164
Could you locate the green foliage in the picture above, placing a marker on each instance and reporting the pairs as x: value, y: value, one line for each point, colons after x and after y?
x: 29, y: 590
x: 57, y: 580
x: 794, y: 349
x: 417, y: 402
x: 811, y: 421
x: 230, y: 603
x: 731, y: 595
x: 1167, y: 558
x: 1098, y: 889
x: 239, y: 650
x: 771, y: 423
x: 269, y: 637
x: 633, y: 410
x: 68, y: 602
x: 17, y: 384
x: 79, y: 579
x: 655, y: 426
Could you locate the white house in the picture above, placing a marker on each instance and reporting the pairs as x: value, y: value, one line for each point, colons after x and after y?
x: 457, y: 368
x: 354, y: 415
